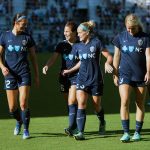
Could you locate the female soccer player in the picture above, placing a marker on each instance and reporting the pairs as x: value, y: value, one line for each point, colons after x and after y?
x: 68, y: 82
x: 132, y: 71
x: 89, y: 79
x: 15, y: 45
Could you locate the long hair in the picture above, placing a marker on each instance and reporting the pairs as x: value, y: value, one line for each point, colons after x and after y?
x: 133, y: 20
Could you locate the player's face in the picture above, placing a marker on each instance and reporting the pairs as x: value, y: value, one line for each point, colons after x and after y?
x: 83, y: 35
x: 132, y: 29
x: 21, y: 25
x: 68, y: 33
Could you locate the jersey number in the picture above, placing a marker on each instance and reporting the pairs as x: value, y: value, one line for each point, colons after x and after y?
x: 7, y: 82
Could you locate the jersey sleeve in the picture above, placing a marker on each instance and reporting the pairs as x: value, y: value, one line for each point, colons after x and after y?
x: 58, y: 48
x: 31, y: 42
x: 101, y: 45
x: 148, y: 42
x: 75, y: 49
x: 116, y: 41
x: 2, y: 43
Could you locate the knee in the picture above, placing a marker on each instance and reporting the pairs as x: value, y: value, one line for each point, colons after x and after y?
x: 23, y: 106
x: 82, y: 105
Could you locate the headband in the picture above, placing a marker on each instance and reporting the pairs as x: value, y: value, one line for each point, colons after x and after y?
x: 83, y: 27
x: 20, y: 18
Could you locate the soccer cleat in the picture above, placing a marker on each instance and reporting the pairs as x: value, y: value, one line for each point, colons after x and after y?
x: 26, y: 134
x: 17, y: 128
x: 136, y: 136
x: 79, y: 136
x: 125, y: 137
x: 71, y: 132
x: 102, y: 128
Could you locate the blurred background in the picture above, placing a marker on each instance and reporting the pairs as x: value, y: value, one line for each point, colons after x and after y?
x: 46, y: 22
x: 48, y: 17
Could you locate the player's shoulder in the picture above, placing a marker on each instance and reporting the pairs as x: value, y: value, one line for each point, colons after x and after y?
x: 144, y: 34
x: 5, y: 34
x: 26, y: 34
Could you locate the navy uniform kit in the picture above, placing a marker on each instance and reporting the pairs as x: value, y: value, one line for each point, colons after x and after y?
x: 132, y: 68
x: 69, y: 59
x: 16, y: 52
x: 90, y: 78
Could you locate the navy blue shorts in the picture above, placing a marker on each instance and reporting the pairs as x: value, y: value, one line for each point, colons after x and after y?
x: 65, y: 83
x: 94, y: 90
x: 12, y: 82
x: 125, y: 80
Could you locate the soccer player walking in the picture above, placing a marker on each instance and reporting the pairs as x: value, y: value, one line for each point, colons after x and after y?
x: 15, y: 45
x: 89, y: 78
x: 132, y: 71
x: 67, y: 82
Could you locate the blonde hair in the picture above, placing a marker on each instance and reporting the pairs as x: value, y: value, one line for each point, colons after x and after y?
x: 87, y: 26
x: 133, y: 20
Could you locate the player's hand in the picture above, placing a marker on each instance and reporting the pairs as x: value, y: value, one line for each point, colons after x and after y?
x: 5, y: 71
x: 115, y: 80
x: 65, y: 72
x: 108, y: 68
x: 147, y: 78
x: 45, y: 69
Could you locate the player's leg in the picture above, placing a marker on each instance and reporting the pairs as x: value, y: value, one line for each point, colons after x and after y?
x: 82, y: 97
x: 12, y: 96
x: 100, y: 113
x: 72, y: 105
x: 97, y: 92
x: 124, y: 91
x: 140, y: 110
x: 25, y: 112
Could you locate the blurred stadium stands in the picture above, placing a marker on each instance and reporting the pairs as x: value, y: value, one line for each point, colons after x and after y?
x: 48, y: 17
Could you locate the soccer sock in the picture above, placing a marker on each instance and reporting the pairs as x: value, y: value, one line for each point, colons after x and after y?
x: 81, y: 119
x: 16, y: 115
x: 125, y: 125
x: 72, y: 116
x: 139, y: 125
x: 100, y: 116
x: 26, y: 118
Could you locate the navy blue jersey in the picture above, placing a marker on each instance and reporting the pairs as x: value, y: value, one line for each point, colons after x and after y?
x: 89, y: 55
x: 16, y: 50
x: 133, y: 59
x: 68, y: 56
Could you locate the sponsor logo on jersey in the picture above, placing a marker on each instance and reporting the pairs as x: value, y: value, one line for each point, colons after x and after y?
x: 24, y: 42
x: 92, y: 49
x: 140, y: 42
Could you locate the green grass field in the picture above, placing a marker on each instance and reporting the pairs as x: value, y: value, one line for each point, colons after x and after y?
x: 47, y: 134
x: 48, y: 111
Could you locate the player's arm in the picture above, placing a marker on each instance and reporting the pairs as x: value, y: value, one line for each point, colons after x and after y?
x: 33, y: 58
x: 4, y: 69
x: 50, y: 62
x: 147, y: 76
x: 107, y: 55
x: 116, y: 61
x: 71, y: 70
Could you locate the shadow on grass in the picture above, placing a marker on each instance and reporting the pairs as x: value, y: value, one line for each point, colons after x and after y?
x: 116, y: 133
x: 92, y: 134
x: 46, y: 134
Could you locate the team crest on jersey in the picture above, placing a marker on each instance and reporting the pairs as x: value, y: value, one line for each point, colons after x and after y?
x: 140, y: 42
x: 24, y: 42
x: 92, y: 49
